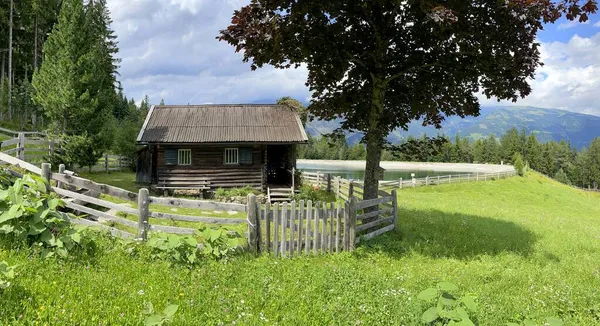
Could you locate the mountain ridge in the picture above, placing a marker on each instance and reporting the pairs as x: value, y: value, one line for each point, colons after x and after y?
x: 546, y: 123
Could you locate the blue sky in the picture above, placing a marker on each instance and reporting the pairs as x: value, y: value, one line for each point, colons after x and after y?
x: 168, y: 50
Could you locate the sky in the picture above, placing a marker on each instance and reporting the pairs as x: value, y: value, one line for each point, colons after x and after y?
x: 169, y: 51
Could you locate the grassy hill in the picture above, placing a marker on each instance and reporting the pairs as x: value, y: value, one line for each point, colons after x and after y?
x: 547, y: 124
x: 525, y: 247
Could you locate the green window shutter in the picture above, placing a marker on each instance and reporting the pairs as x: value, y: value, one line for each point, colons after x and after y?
x: 245, y: 155
x: 171, y: 156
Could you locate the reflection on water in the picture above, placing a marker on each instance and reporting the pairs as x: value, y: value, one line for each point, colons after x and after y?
x: 359, y: 174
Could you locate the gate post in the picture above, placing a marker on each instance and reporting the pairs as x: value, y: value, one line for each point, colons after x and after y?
x: 144, y: 214
x: 252, y: 223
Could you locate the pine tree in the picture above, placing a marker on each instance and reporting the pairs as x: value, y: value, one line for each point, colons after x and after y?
x: 518, y: 163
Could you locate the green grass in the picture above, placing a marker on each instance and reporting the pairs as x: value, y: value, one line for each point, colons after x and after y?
x: 121, y: 179
x: 525, y: 247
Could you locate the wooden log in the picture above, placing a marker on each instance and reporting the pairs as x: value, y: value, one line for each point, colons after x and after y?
x: 21, y: 152
x: 331, y: 236
x: 316, y: 235
x: 352, y: 222
x: 20, y: 163
x: 284, y: 226
x: 292, y: 228
x: 202, y: 205
x: 114, y: 232
x: 375, y: 233
x: 144, y: 213
x: 377, y: 222
x: 268, y: 226
x: 36, y: 142
x: 61, y: 170
x: 338, y: 226
x: 374, y: 213
x: 276, y: 229
x: 95, y: 201
x: 100, y: 214
x: 395, y: 207
x: 46, y: 172
x: 300, y: 227
x: 199, y: 219
x: 309, y: 214
x: 10, y: 142
x: 372, y: 202
x: 97, y: 187
x: 325, y: 214
x: 173, y: 229
x: 347, y: 226
x: 252, y: 224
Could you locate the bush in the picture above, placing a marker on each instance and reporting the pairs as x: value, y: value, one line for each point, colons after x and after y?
x: 519, y: 165
x: 125, y: 139
x: 562, y: 177
x: 7, y: 273
x: 79, y: 150
x: 175, y: 248
x: 235, y: 192
x: 31, y: 216
x: 447, y: 309
x: 314, y: 193
x: 218, y: 242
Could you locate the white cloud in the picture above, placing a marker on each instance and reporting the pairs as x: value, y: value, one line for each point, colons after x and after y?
x: 571, y: 24
x: 569, y: 79
x: 597, y: 24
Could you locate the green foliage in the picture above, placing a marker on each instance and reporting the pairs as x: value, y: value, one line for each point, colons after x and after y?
x: 154, y: 318
x: 7, y: 273
x: 30, y: 213
x: 448, y: 309
x: 518, y: 162
x: 219, y: 243
x: 235, y: 192
x: 550, y: 321
x: 175, y: 248
x: 314, y: 193
x: 125, y: 139
x: 562, y: 177
x: 80, y: 150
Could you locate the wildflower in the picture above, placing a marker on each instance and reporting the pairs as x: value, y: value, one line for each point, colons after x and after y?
x: 141, y: 292
x: 181, y: 294
x: 42, y: 308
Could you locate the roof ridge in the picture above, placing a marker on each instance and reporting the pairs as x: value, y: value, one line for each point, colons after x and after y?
x: 212, y: 105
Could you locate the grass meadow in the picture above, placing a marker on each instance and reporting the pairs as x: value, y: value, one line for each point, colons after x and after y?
x: 525, y: 247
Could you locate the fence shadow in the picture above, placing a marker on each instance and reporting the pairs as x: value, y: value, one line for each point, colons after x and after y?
x: 439, y: 234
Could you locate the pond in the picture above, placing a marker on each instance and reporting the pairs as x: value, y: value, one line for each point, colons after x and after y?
x: 358, y: 174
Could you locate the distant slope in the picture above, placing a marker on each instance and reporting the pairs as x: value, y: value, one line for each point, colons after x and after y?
x: 547, y: 124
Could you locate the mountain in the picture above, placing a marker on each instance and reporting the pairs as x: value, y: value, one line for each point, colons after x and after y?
x: 546, y: 124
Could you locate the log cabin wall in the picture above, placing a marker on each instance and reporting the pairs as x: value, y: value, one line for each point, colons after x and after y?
x: 207, y: 168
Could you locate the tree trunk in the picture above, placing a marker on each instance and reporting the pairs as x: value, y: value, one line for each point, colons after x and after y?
x: 10, y: 36
x: 35, y: 44
x: 3, y: 76
x: 374, y: 139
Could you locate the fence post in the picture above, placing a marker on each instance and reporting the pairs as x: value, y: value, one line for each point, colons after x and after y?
x: 427, y: 180
x: 329, y: 182
x: 477, y: 176
x: 144, y: 214
x: 318, y: 179
x: 395, y: 208
x: 61, y: 170
x: 51, y: 148
x: 450, y: 179
x: 352, y: 223
x: 21, y: 148
x: 293, y: 179
x: 106, y: 162
x: 252, y: 223
x: 400, y: 183
x: 351, y: 189
x: 338, y: 186
x: 46, y: 173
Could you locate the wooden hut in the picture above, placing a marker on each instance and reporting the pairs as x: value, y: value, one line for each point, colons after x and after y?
x: 219, y: 146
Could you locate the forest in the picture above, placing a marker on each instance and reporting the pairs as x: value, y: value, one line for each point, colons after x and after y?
x: 59, y: 73
x: 558, y: 160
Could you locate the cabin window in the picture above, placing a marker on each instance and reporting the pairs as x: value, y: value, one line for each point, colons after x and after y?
x: 232, y: 156
x: 245, y: 156
x: 171, y: 156
x: 184, y: 157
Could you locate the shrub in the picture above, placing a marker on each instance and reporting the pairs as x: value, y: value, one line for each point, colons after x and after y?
x: 125, y: 139
x: 447, y: 309
x: 519, y: 165
x: 31, y: 216
x: 562, y: 177
x: 176, y: 248
x: 219, y: 243
x: 314, y: 193
x: 157, y: 318
x: 80, y: 150
x: 7, y: 273
x: 235, y: 192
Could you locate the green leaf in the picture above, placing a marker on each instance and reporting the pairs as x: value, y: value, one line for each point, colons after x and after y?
x: 469, y: 302
x: 37, y: 228
x: 170, y: 311
x: 462, y: 313
x: 428, y: 294
x: 148, y: 309
x: 153, y: 320
x: 6, y: 228
x: 12, y: 213
x: 447, y: 287
x: 529, y: 322
x: 76, y: 237
x: 430, y: 315
x: 447, y: 299
x: 553, y: 321
x: 512, y: 324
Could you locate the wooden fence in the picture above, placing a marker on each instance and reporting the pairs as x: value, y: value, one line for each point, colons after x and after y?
x: 78, y: 192
x: 344, y: 188
x: 296, y: 228
x: 35, y: 147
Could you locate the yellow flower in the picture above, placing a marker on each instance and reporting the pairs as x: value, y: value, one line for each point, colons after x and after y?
x: 181, y: 294
x: 42, y: 308
x: 54, y: 283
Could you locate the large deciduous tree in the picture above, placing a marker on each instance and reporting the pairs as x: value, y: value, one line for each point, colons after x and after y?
x: 380, y: 64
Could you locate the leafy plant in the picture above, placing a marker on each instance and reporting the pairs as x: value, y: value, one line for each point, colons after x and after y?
x: 448, y: 309
x: 310, y: 192
x: 7, y: 273
x: 235, y: 192
x: 550, y: 321
x: 519, y: 165
x: 218, y: 242
x: 177, y: 248
x: 29, y: 212
x: 159, y: 318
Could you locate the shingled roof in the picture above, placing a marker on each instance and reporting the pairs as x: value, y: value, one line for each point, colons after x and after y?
x: 222, y: 123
